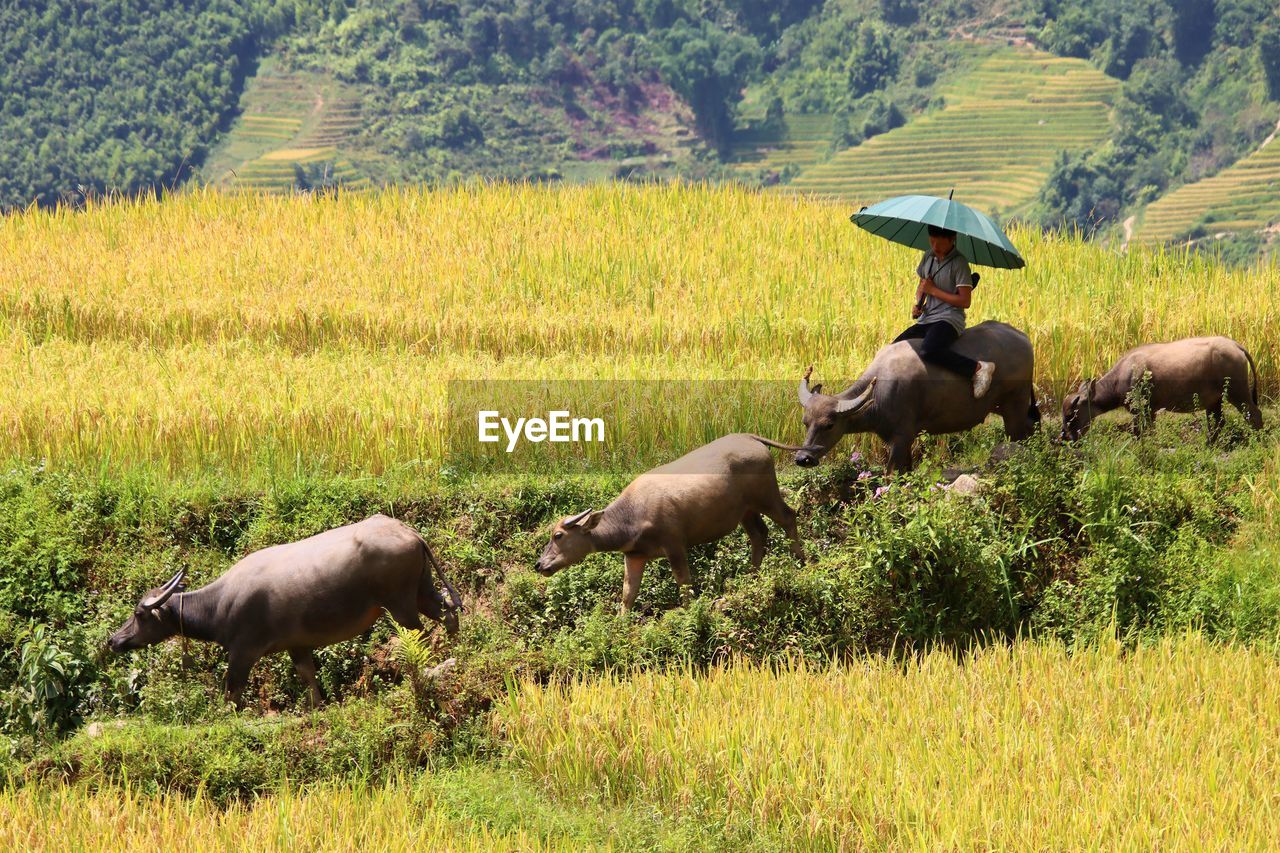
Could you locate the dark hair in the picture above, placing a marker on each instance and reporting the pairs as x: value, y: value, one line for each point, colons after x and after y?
x: 935, y: 231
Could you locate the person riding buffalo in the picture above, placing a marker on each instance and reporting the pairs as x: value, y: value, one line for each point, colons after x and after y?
x: 944, y: 293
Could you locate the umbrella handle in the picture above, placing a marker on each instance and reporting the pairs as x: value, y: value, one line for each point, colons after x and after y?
x: 920, y: 302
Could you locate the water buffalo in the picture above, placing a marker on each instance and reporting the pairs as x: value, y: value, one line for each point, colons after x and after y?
x: 1183, y: 375
x: 299, y: 597
x: 698, y: 498
x: 899, y: 396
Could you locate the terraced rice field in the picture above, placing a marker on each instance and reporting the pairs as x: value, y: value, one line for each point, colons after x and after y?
x: 994, y: 142
x: 802, y: 143
x: 1242, y: 197
x: 289, y: 118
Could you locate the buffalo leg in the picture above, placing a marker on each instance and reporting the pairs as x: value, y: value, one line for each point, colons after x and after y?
x: 900, y: 454
x: 633, y: 572
x: 304, y: 663
x: 407, y: 617
x: 680, y: 568
x: 1252, y: 414
x: 1020, y: 416
x: 1243, y: 401
x: 1213, y: 420
x: 429, y: 604
x: 238, y: 666
x: 759, y: 536
x: 785, y: 517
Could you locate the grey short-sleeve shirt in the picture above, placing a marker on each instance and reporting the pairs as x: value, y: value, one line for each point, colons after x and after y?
x: 947, y: 274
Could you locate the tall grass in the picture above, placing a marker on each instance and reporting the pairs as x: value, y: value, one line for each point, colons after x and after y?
x: 224, y: 328
x: 1030, y: 747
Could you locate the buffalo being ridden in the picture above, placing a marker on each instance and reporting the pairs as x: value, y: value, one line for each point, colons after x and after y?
x: 698, y: 498
x: 1179, y: 376
x: 299, y: 597
x: 900, y: 396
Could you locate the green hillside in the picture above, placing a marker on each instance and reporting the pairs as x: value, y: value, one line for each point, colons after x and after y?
x: 1242, y: 197
x: 1119, y: 102
x: 994, y: 142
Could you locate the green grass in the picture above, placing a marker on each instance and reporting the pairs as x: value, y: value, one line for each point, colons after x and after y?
x: 1243, y: 197
x: 994, y: 142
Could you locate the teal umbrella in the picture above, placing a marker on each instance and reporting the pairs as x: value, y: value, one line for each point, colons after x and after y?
x: 906, y: 220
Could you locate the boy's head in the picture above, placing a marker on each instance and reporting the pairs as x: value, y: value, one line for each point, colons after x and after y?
x: 941, y: 240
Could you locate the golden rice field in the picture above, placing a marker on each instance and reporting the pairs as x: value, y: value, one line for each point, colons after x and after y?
x: 245, y: 331
x: 393, y: 818
x: 1172, y: 746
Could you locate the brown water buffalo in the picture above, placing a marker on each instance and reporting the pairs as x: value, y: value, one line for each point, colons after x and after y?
x: 1184, y: 375
x: 698, y: 498
x: 899, y: 396
x: 299, y: 597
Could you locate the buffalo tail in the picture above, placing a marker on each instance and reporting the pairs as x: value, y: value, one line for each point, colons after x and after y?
x: 455, y: 602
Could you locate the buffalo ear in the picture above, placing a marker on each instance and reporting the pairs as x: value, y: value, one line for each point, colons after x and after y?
x: 816, y: 389
x: 590, y: 522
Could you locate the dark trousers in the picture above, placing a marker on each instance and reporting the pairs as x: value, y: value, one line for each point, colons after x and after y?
x: 936, y: 349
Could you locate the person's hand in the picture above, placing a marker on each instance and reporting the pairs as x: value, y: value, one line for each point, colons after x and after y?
x: 916, y: 311
x: 927, y: 287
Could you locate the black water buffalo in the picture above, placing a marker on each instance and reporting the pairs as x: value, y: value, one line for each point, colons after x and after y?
x: 899, y: 396
x: 299, y: 597
x: 1180, y: 376
x: 698, y: 498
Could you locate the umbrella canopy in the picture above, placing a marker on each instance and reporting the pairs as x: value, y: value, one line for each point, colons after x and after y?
x: 906, y: 220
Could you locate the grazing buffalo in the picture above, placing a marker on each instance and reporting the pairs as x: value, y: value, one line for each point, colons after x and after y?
x: 1181, y: 376
x: 299, y: 597
x: 698, y: 498
x: 899, y: 396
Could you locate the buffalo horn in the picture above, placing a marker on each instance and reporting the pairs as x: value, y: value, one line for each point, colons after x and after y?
x: 859, y: 402
x: 577, y: 519
x: 805, y: 393
x: 171, y: 586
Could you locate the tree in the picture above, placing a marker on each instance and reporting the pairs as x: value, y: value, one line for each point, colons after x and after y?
x: 1080, y: 193
x: 709, y: 67
x: 873, y: 60
x: 1193, y: 22
x: 1073, y: 33
x: 1269, y: 55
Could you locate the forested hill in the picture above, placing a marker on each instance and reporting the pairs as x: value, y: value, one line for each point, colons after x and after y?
x: 114, y: 93
x: 130, y: 95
